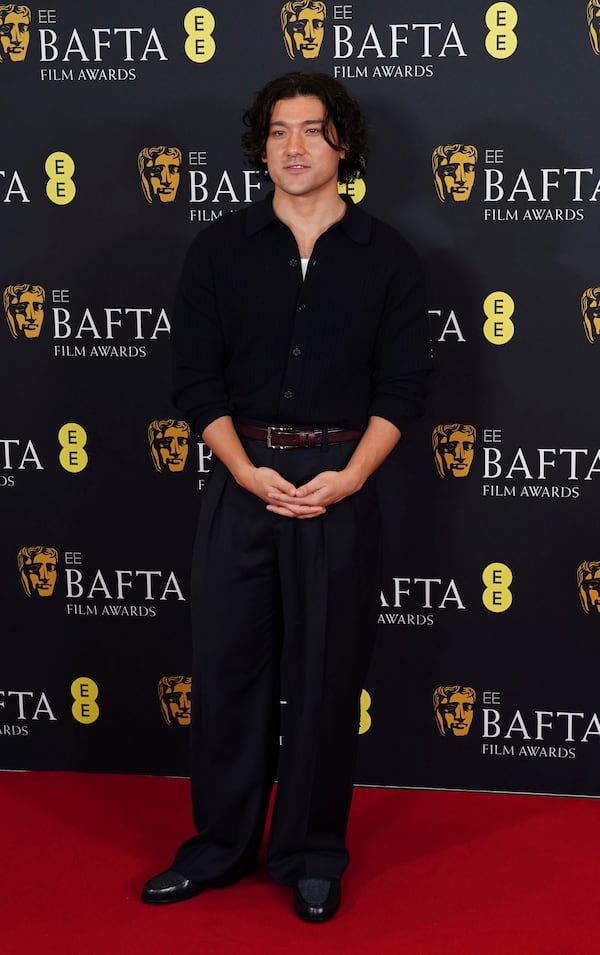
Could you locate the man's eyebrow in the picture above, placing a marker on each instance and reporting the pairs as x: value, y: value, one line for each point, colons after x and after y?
x: 302, y: 122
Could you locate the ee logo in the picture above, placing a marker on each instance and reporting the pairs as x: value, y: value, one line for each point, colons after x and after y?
x: 499, y: 308
x: 199, y: 24
x: 501, y: 20
x: 356, y: 189
x: 60, y: 187
x: 497, y: 596
x: 72, y: 439
x: 85, y: 693
x: 365, y: 716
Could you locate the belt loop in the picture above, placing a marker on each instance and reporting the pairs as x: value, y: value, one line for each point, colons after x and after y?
x: 324, y: 440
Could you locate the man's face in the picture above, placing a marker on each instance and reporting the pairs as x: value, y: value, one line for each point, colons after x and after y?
x: 457, y: 713
x: 172, y: 448
x: 162, y: 176
x: 40, y: 575
x: 590, y: 587
x: 306, y: 33
x: 14, y: 36
x: 457, y: 175
x: 299, y: 160
x: 592, y: 316
x: 179, y: 704
x: 456, y: 453
x: 26, y: 314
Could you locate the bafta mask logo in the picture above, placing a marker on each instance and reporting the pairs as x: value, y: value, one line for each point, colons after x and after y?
x: 302, y: 25
x: 588, y: 582
x: 453, y: 449
x: 169, y: 441
x: 590, y: 311
x: 15, y: 21
x: 453, y: 707
x: 160, y: 169
x: 454, y: 171
x: 174, y: 693
x: 37, y: 567
x: 24, y: 307
x: 593, y: 22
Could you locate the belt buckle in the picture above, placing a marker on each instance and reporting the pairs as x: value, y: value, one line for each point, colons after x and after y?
x: 274, y: 429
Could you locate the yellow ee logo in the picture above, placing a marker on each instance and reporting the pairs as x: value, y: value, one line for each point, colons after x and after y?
x: 72, y: 439
x: 85, y: 693
x: 501, y: 20
x: 356, y: 189
x: 60, y: 187
x: 498, y: 327
x: 365, y: 716
x: 497, y: 596
x: 199, y: 24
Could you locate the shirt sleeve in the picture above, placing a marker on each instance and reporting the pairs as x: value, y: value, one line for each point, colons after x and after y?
x: 197, y: 341
x: 403, y: 349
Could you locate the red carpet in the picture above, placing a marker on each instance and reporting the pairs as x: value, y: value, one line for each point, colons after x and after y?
x: 432, y: 873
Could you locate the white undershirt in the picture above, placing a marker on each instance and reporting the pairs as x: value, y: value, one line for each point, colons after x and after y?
x: 304, y: 264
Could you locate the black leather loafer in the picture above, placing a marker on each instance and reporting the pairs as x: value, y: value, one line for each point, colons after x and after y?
x: 170, y: 886
x: 317, y: 906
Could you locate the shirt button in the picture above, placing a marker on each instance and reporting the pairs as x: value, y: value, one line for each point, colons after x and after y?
x: 296, y: 352
x: 301, y: 307
x: 288, y: 394
x: 293, y: 263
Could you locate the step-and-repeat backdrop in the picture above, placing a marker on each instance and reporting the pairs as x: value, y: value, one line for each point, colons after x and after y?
x: 120, y: 139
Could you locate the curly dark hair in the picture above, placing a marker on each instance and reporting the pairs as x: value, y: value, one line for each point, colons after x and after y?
x: 341, y: 110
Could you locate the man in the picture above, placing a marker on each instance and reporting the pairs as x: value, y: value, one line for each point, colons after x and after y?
x: 302, y: 25
x: 453, y: 449
x: 453, y: 706
x: 300, y: 350
x: 454, y: 171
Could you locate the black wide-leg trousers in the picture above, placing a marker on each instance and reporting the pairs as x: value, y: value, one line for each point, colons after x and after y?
x: 282, y: 610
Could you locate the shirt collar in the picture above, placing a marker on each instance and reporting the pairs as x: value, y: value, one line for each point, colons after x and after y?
x: 355, y: 223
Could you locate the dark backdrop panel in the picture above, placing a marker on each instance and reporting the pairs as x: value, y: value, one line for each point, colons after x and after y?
x: 485, y: 670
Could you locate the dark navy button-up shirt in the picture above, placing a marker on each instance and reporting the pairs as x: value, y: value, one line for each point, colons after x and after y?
x: 254, y: 340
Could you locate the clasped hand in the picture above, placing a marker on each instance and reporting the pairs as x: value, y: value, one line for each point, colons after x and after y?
x: 308, y: 500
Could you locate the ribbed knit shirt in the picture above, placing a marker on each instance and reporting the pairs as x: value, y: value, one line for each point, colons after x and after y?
x: 254, y: 340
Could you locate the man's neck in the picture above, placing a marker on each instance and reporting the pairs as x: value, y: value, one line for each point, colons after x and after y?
x: 308, y: 217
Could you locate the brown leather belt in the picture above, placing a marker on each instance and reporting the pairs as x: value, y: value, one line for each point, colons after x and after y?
x: 276, y: 437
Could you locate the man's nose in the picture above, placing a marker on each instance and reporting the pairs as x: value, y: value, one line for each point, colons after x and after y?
x: 460, y: 174
x: 173, y: 449
x: 43, y: 574
x: 295, y: 143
